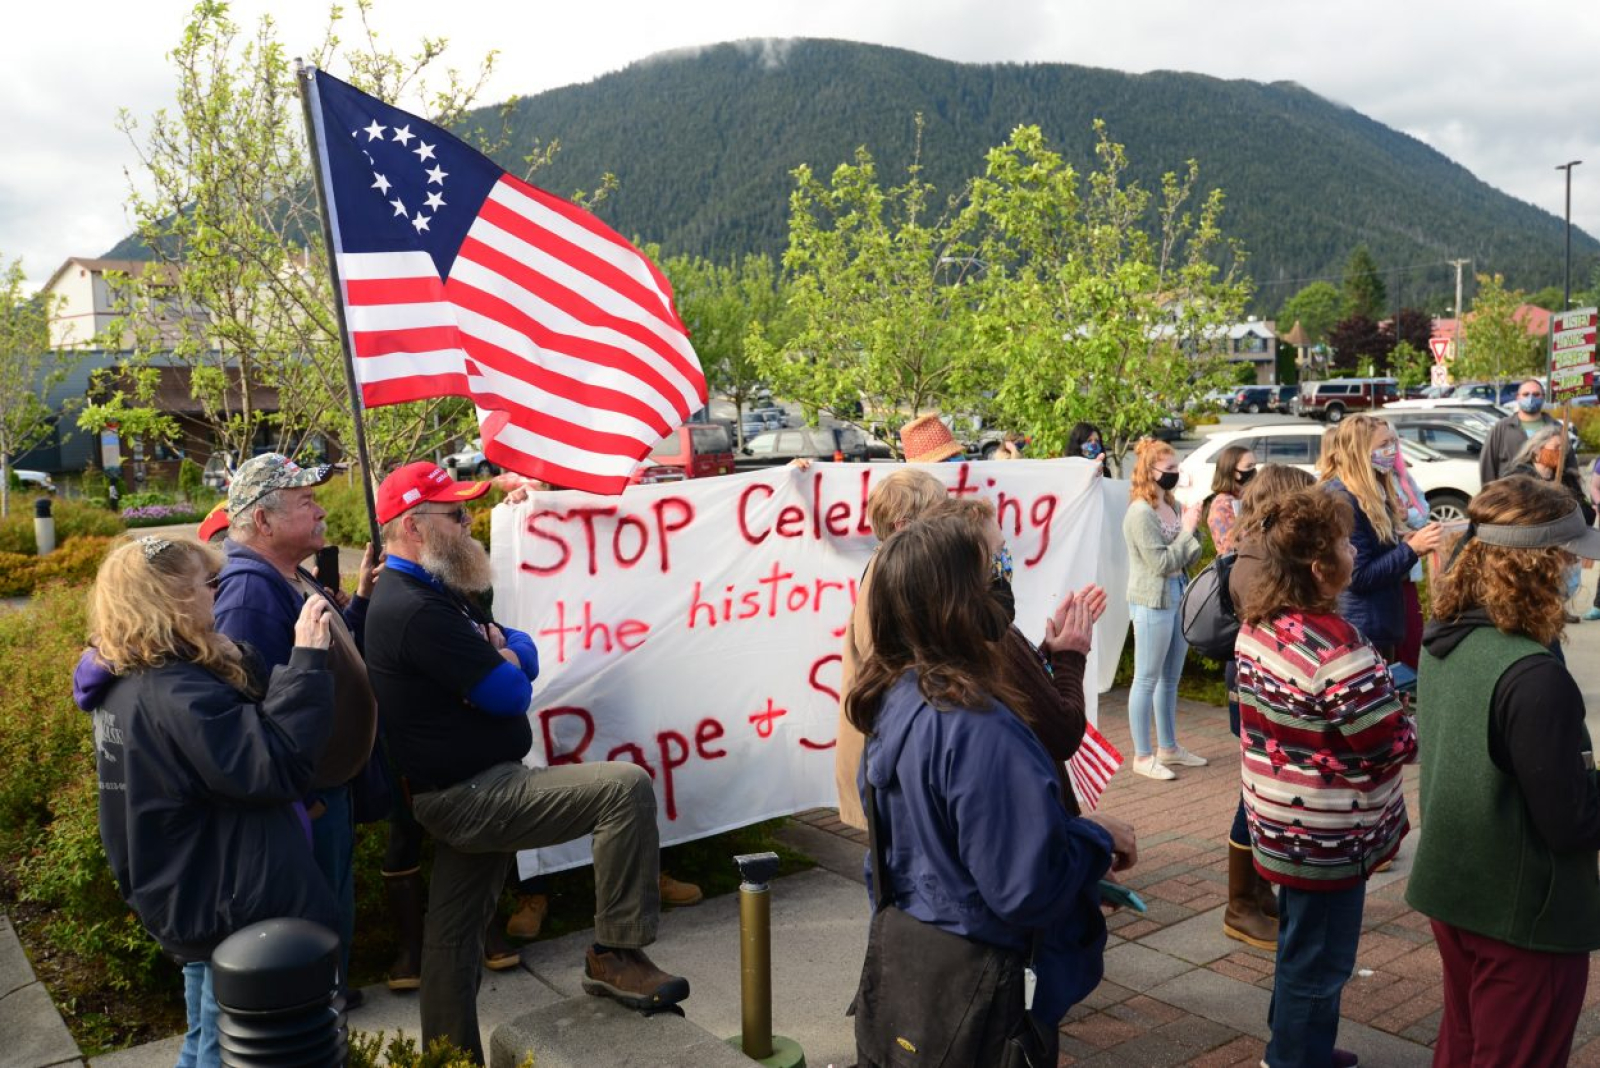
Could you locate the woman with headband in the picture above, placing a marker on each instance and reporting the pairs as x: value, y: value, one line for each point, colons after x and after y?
x: 1505, y: 868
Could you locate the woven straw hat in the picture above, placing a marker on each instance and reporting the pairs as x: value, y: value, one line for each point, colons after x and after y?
x: 925, y: 440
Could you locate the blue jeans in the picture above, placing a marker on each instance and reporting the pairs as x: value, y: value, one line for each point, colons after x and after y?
x: 200, y: 1043
x: 333, y: 843
x: 1318, y: 931
x: 1158, y: 652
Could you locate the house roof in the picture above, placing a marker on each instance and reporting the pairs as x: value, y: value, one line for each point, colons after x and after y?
x: 100, y: 266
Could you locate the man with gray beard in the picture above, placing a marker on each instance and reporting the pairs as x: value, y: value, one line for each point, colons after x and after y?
x: 453, y: 688
x: 275, y: 523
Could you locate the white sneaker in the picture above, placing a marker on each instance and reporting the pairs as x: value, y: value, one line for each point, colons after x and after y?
x: 1151, y: 768
x: 1180, y: 756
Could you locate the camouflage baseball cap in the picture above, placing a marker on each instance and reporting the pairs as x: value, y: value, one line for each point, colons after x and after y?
x: 260, y: 475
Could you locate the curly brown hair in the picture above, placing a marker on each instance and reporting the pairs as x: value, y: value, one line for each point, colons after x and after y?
x: 1298, y: 535
x: 1518, y: 588
x: 931, y: 613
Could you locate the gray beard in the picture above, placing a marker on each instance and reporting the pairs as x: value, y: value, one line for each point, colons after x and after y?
x: 458, y: 561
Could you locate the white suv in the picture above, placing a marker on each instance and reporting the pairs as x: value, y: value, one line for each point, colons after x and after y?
x: 1446, y: 483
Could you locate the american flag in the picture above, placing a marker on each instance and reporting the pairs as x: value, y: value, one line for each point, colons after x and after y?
x: 462, y: 280
x: 1092, y: 766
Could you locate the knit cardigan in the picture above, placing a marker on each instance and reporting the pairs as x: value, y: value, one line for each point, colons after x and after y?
x: 1152, y: 559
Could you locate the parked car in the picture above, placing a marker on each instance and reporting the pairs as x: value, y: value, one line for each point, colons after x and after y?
x: 1458, y: 440
x: 760, y: 420
x: 835, y: 443
x: 694, y: 450
x: 34, y: 480
x: 470, y: 463
x: 1494, y: 393
x: 1447, y: 484
x: 1331, y: 400
x: 1283, y: 398
x: 1170, y: 428
x: 1252, y: 399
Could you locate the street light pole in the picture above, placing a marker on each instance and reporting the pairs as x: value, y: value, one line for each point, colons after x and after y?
x: 1566, y: 290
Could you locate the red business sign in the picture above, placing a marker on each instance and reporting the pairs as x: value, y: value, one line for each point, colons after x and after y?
x: 1572, y: 353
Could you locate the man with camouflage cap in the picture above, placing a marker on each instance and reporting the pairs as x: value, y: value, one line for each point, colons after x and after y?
x: 275, y: 523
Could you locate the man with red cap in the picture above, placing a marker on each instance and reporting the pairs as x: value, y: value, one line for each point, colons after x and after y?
x: 453, y: 688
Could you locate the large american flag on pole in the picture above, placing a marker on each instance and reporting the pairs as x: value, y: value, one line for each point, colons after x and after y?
x: 462, y: 280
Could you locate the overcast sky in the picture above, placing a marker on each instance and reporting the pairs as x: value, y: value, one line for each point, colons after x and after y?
x: 1509, y: 91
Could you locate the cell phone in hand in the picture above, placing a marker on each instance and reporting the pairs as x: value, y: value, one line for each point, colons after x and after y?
x: 328, y: 567
x: 1121, y: 896
x: 1405, y: 680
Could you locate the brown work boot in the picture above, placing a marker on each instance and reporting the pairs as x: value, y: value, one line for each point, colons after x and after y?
x: 526, y: 922
x: 1243, y: 918
x: 628, y: 976
x: 676, y: 895
x: 497, y: 953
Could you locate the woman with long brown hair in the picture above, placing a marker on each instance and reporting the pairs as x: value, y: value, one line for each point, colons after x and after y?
x: 201, y: 762
x: 1357, y: 463
x: 1505, y: 868
x: 1236, y: 466
x: 1323, y: 736
x: 964, y: 800
x: 1161, y: 546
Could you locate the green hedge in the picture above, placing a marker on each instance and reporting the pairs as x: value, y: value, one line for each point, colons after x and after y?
x: 74, y: 519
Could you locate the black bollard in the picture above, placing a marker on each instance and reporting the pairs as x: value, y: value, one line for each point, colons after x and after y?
x: 44, y: 527
x: 276, y: 984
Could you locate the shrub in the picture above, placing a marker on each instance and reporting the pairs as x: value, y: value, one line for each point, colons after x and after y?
x: 160, y: 515
x: 74, y: 562
x: 192, y: 480
x: 145, y: 498
x: 370, y: 1051
x: 346, y: 504
x: 94, y: 486
x: 1586, y: 421
x: 74, y: 519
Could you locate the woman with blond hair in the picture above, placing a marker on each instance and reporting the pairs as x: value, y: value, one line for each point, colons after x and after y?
x: 1358, y: 463
x: 200, y: 762
x: 1505, y: 868
x: 1161, y: 546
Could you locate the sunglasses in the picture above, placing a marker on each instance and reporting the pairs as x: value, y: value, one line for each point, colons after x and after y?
x: 458, y: 513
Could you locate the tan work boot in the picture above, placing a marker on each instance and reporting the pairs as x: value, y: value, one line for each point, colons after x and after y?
x: 529, y: 917
x: 628, y: 976
x: 1243, y: 918
x: 676, y: 895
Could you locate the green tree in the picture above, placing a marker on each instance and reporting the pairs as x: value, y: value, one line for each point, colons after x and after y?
x: 731, y: 310
x: 224, y: 200
x: 1495, y: 343
x: 880, y: 294
x: 1316, y: 308
x: 29, y: 370
x: 1411, y: 366
x: 1101, y: 301
x: 1548, y: 298
x: 1364, y: 291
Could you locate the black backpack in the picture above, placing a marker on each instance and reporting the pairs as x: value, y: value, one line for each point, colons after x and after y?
x: 1206, y: 612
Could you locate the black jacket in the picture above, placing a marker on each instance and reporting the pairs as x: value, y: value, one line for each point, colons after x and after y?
x: 197, y: 784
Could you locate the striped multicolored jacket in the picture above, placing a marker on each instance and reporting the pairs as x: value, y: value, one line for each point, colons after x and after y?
x: 1323, y: 737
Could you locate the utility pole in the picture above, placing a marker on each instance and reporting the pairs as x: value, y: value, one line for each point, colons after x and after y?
x: 1458, y: 264
x: 1566, y: 298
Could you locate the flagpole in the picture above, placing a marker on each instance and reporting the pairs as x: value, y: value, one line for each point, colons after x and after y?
x: 306, y: 77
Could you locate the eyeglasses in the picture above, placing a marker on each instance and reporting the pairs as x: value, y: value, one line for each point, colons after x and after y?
x: 458, y: 513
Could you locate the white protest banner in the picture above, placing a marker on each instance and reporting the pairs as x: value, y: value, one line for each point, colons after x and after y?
x: 694, y: 627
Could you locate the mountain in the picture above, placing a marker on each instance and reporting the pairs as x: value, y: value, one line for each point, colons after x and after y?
x: 702, y: 143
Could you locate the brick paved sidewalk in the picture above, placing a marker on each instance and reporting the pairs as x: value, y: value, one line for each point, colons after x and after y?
x: 1177, y: 991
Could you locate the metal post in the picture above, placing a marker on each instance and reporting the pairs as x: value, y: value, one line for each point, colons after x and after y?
x: 44, y: 527
x: 276, y: 983
x: 755, y: 967
x: 1566, y: 289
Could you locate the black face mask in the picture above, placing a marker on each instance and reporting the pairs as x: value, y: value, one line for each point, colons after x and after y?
x: 1000, y: 591
x: 1168, y: 480
x: 1245, y: 476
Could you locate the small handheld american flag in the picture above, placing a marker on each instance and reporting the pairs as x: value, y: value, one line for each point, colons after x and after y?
x: 459, y: 279
x: 1092, y: 766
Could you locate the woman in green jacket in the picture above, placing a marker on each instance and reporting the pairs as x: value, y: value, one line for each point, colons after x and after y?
x: 1505, y: 868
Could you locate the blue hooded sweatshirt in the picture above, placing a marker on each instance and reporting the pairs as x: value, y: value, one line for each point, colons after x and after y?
x: 980, y: 844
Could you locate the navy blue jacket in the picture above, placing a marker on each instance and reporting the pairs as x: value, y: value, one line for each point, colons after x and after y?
x: 197, y: 791
x: 257, y: 605
x: 980, y: 844
x: 1373, y: 603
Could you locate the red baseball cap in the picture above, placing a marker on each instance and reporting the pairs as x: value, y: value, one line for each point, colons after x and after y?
x: 215, y: 521
x: 422, y: 481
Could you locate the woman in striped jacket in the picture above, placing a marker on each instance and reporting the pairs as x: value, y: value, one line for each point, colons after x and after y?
x: 1323, y: 736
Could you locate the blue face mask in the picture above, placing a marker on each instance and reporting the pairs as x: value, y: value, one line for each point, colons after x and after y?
x: 1000, y: 566
x: 1531, y: 405
x: 1574, y: 577
x: 1092, y: 450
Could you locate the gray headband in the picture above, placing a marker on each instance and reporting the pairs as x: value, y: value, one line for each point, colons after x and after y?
x: 1568, y: 528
